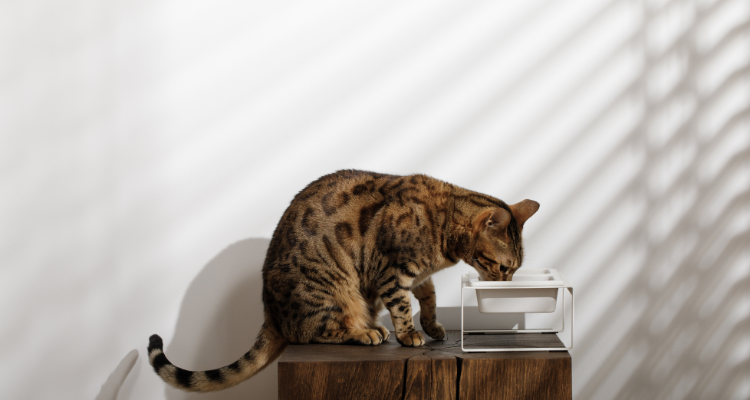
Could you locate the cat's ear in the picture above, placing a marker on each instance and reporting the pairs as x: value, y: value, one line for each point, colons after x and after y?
x: 523, y: 210
x: 498, y: 220
x: 495, y: 219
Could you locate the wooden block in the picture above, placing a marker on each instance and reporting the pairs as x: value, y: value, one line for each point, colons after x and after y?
x: 431, y: 376
x: 444, y: 377
x: 523, y: 375
x: 418, y: 382
x: 374, y: 380
x: 437, y: 371
x: 320, y: 371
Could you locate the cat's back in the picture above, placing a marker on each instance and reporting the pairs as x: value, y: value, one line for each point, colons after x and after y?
x: 344, y: 203
x: 338, y: 199
x: 341, y: 182
x: 349, y: 191
x: 351, y: 218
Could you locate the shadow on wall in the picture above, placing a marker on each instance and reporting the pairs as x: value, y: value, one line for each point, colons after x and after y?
x: 220, y: 316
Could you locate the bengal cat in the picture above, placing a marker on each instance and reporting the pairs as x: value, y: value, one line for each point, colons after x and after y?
x: 354, y: 241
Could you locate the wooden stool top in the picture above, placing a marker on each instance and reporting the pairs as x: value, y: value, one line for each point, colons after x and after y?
x: 438, y: 370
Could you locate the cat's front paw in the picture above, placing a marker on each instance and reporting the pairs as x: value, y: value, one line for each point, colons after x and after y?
x: 435, y: 331
x: 384, y: 332
x: 411, y: 339
x: 368, y: 337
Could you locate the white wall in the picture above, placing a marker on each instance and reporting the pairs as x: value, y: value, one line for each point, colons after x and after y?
x: 147, y: 149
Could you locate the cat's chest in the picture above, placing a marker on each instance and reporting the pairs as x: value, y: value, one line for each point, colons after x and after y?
x: 439, y: 264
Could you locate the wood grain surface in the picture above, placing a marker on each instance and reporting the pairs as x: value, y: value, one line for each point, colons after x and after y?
x: 437, y: 371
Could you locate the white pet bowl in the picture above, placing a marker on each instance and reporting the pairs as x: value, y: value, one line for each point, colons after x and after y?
x: 530, y: 291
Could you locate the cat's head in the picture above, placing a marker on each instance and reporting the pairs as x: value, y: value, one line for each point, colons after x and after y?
x: 498, y: 247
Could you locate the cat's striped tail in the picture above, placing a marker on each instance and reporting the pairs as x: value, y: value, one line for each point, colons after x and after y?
x: 267, y: 347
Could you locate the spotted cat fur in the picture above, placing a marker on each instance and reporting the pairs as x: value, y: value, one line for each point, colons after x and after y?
x: 354, y: 241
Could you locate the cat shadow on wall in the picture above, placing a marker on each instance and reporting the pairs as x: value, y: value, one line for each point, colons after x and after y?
x: 220, y: 316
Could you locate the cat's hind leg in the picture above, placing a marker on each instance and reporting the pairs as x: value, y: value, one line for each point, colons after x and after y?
x: 375, y: 305
x: 351, y: 336
x: 353, y: 324
x: 326, y: 321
